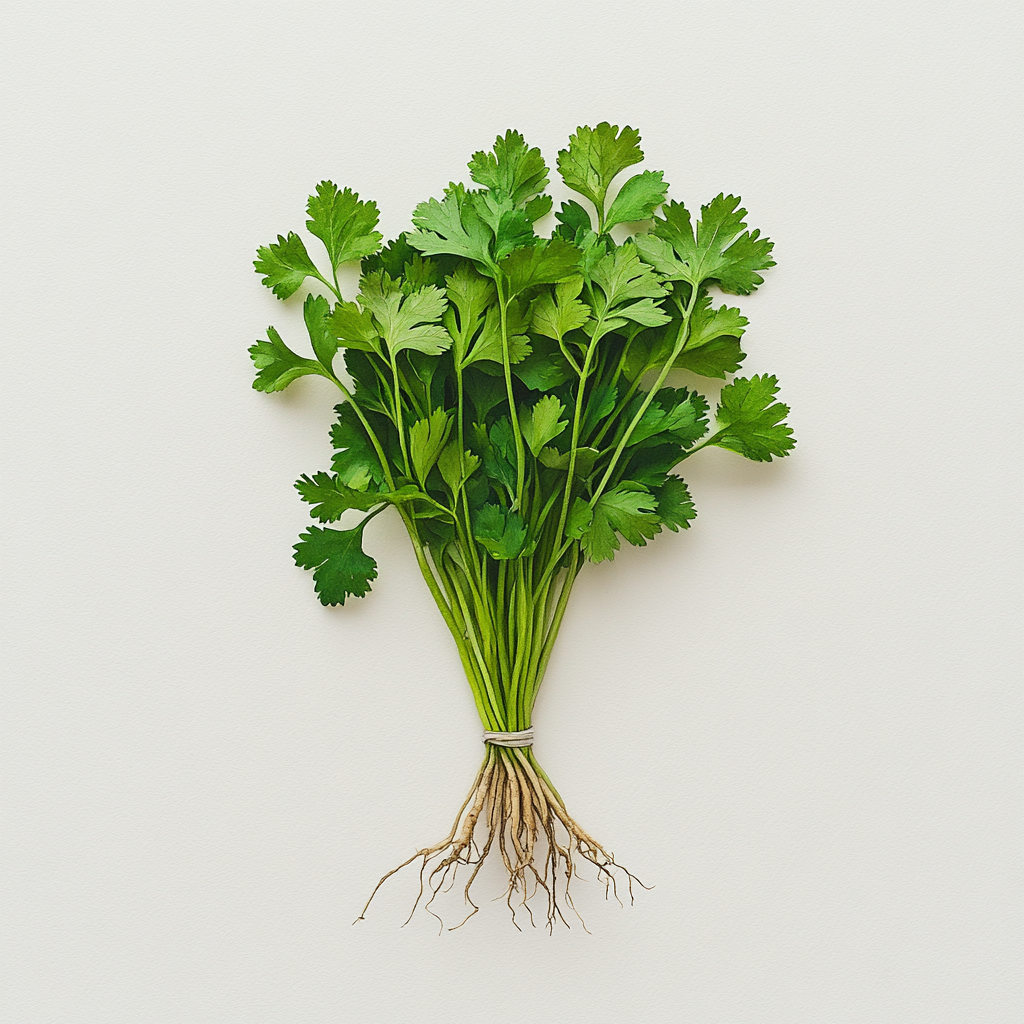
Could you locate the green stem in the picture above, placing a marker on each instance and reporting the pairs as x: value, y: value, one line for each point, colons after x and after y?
x: 681, y: 338
x: 506, y: 360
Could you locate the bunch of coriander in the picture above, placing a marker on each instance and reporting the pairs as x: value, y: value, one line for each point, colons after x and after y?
x: 505, y: 393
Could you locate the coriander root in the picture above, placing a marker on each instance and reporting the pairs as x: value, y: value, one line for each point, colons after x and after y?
x: 525, y: 823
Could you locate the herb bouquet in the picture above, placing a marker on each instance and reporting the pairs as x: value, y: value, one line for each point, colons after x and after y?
x: 505, y: 393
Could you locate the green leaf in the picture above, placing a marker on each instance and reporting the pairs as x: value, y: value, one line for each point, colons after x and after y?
x: 488, y: 347
x: 706, y: 323
x: 455, y: 471
x: 343, y: 223
x: 649, y: 463
x: 355, y: 460
x: 511, y: 227
x: 426, y: 439
x: 285, y: 264
x: 325, y: 345
x: 637, y: 199
x: 278, y: 365
x: 624, y: 278
x: 721, y: 250
x: 573, y: 220
x: 713, y: 345
x: 497, y: 450
x: 679, y: 413
x: 599, y: 405
x: 340, y: 566
x: 595, y: 157
x: 660, y: 255
x: 545, y: 368
x: 580, y: 518
x: 543, y: 263
x: 645, y: 313
x: 352, y: 327
x: 400, y: 261
x: 539, y: 206
x: 512, y: 170
x: 501, y: 532
x: 555, y: 315
x: 714, y: 359
x: 585, y: 459
x: 752, y: 419
x: 406, y: 321
x: 451, y: 226
x: 675, y: 506
x: 331, y: 498
x: 541, y: 423
x: 629, y: 510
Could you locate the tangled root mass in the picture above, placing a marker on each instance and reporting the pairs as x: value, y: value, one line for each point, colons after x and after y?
x: 525, y: 822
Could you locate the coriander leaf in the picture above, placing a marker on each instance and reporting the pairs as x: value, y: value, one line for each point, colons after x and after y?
x: 400, y: 261
x: 470, y: 293
x: 352, y: 327
x: 624, y: 278
x: 512, y: 170
x: 675, y: 507
x: 455, y: 471
x: 595, y: 157
x: 539, y: 206
x: 572, y: 219
x: 285, y: 264
x: 637, y: 199
x: 660, y: 255
x: 580, y: 518
x: 599, y: 405
x: 721, y: 250
x: 649, y: 463
x: 488, y: 347
x: 541, y: 424
x: 627, y: 509
x: 485, y: 391
x: 497, y: 449
x: 501, y: 532
x: 278, y: 365
x: 406, y: 321
x: 644, y: 312
x: 544, y: 263
x: 451, y: 226
x: 545, y: 368
x: 470, y: 296
x: 426, y: 439
x: 343, y: 223
x: 715, y: 359
x: 752, y: 419
x: 325, y: 345
x: 340, y: 566
x: 713, y: 347
x: 330, y: 498
x: 355, y: 460
x: 706, y: 323
x: 679, y: 413
x: 556, y: 315
x: 585, y: 459
x: 511, y: 227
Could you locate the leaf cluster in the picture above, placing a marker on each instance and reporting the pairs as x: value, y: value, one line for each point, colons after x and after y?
x: 507, y: 391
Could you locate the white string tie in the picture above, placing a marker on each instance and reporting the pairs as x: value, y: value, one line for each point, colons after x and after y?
x: 510, y: 739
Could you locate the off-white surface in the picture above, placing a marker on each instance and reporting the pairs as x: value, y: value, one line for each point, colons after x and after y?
x: 799, y: 721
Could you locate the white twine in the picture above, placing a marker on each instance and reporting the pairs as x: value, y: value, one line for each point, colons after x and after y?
x: 510, y: 739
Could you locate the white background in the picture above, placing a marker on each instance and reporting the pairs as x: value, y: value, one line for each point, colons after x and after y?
x: 798, y: 721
